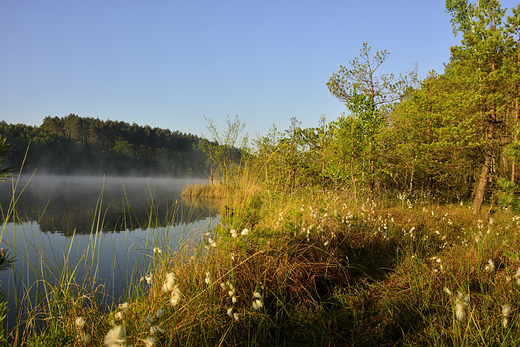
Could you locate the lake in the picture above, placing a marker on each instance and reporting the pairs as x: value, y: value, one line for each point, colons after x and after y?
x: 109, y: 225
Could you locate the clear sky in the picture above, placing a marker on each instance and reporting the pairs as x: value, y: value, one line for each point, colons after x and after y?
x: 168, y: 63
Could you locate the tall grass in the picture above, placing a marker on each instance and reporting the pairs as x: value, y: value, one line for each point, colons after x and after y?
x: 306, y: 267
x: 217, y: 190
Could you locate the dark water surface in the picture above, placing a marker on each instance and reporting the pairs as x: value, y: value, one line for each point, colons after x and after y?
x: 107, y: 225
x: 68, y: 204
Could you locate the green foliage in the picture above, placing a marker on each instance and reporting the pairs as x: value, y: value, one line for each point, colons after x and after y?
x: 508, y: 194
x: 355, y: 152
x: 59, y: 337
x: 430, y: 139
x: 222, y: 150
x: 362, y: 78
x: 4, y: 151
x: 74, y: 144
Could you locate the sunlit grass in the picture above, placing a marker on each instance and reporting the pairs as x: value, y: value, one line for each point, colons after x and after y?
x: 216, y: 190
x: 303, y: 268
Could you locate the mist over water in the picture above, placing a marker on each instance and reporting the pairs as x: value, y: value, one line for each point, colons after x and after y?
x: 59, y: 215
x: 68, y: 204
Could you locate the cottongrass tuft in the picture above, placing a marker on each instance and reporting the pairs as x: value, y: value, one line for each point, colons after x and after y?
x: 257, y: 304
x: 82, y: 336
x: 506, y: 313
x: 157, y: 250
x: 80, y: 322
x: 231, y: 291
x: 208, y: 278
x: 116, y: 337
x: 245, y: 232
x: 212, y: 242
x: 517, y: 276
x: 149, y: 341
x: 155, y: 329
x: 257, y: 301
x: 175, y: 296
x: 169, y: 282
x: 147, y: 278
x: 461, y: 304
x: 86, y: 338
x: 233, y: 233
x: 490, y: 267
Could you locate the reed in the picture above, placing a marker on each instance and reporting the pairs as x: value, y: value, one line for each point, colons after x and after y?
x: 203, y: 190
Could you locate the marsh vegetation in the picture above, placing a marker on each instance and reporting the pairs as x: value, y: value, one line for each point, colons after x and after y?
x: 395, y: 224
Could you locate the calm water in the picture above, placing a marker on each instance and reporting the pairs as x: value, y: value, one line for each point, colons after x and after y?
x: 57, y: 218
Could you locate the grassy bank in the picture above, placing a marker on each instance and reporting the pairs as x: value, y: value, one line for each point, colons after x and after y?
x: 308, y: 268
x: 205, y: 190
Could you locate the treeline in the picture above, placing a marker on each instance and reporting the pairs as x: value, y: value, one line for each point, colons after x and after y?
x: 84, y: 145
x: 454, y: 134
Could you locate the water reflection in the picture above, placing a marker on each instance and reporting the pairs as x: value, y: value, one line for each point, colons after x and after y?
x: 83, y: 204
x: 60, y: 221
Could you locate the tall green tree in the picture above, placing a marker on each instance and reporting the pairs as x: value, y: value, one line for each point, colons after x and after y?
x: 478, y: 68
x: 433, y: 142
x: 369, y: 96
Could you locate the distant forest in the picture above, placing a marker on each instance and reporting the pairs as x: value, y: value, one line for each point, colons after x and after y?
x: 83, y: 145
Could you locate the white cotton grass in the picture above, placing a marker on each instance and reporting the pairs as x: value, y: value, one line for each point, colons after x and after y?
x: 517, y: 276
x: 80, y: 322
x: 82, y: 336
x: 175, y: 296
x: 506, y: 313
x: 461, y: 305
x: 244, y: 232
x: 122, y: 307
x: 490, y: 266
x: 147, y: 278
x: 231, y: 292
x: 169, y: 282
x: 85, y: 338
x: 233, y: 233
x: 170, y: 286
x: 149, y: 341
x: 207, y: 280
x: 156, y: 329
x: 116, y: 337
x: 157, y: 250
x: 257, y: 301
x: 212, y: 242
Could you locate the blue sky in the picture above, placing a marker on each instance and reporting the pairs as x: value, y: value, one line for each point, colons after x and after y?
x: 168, y: 63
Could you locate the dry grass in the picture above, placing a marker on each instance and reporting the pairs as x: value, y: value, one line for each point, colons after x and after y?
x: 216, y: 190
x: 331, y: 272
